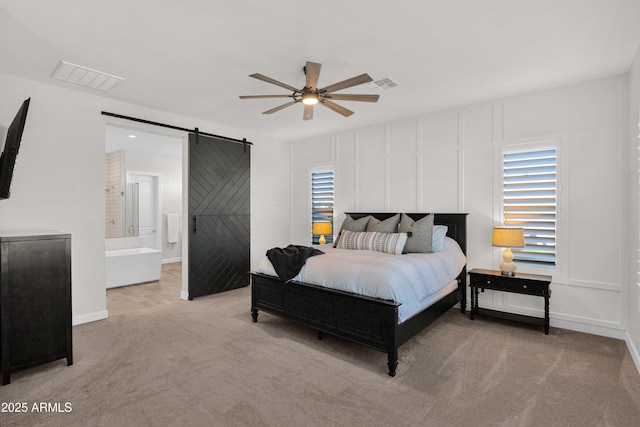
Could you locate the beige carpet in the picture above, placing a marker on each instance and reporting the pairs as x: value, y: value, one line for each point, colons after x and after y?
x: 204, y: 363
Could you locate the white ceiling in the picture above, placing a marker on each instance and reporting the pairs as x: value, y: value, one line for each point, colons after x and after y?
x: 193, y: 57
x: 118, y: 138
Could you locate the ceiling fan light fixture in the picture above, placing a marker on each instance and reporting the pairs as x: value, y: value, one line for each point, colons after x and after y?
x: 311, y: 95
x: 309, y: 98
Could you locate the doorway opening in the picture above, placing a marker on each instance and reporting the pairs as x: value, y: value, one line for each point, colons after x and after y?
x: 144, y: 199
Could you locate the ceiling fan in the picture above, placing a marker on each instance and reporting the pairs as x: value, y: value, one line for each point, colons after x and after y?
x: 311, y: 94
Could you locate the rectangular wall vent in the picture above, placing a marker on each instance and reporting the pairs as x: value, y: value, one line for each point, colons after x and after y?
x: 383, y: 83
x: 83, y: 76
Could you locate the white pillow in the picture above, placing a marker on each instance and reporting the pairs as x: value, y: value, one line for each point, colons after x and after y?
x: 439, y: 233
x: 391, y: 243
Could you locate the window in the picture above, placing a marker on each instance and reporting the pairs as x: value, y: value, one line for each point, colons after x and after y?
x: 322, y: 202
x: 529, y: 201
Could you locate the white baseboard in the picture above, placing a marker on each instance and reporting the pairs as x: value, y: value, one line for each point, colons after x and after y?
x: 90, y: 317
x: 589, y: 329
x: 572, y: 323
x: 171, y: 260
x: 603, y: 331
x: 634, y: 352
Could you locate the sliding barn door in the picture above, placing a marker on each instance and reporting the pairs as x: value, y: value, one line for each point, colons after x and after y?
x: 219, y: 214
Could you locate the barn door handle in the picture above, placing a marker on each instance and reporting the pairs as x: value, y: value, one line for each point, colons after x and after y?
x: 195, y: 223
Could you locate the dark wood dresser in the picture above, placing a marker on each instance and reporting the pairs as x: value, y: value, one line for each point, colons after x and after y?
x: 35, y: 300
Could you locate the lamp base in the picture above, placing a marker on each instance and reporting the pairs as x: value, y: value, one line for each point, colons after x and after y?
x: 507, y: 266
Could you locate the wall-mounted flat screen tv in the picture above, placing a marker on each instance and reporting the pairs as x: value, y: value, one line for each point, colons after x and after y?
x: 10, y: 152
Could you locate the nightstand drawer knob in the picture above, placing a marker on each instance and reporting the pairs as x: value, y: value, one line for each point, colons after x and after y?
x: 524, y: 286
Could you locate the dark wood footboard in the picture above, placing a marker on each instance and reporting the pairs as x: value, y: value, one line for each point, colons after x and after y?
x: 368, y: 321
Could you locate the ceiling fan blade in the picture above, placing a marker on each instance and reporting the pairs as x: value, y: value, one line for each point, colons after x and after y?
x: 312, y: 70
x: 272, y: 81
x: 264, y: 96
x: 347, y: 97
x: 308, y: 112
x: 337, y: 108
x: 283, y: 106
x: 353, y: 81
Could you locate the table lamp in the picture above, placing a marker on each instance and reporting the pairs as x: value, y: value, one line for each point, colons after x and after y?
x: 322, y: 228
x: 507, y: 237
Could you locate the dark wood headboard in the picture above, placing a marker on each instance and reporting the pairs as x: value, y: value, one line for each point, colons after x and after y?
x: 456, y: 223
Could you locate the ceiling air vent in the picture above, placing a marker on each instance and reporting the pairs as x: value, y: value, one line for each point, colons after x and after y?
x: 383, y: 83
x: 83, y: 76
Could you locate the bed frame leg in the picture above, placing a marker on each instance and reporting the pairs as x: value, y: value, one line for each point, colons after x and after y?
x: 254, y: 314
x: 392, y: 362
x: 462, y: 286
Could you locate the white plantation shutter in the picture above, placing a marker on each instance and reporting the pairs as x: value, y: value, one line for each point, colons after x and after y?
x: 529, y: 201
x: 321, y: 201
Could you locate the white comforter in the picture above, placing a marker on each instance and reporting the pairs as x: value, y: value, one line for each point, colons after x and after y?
x: 407, y: 279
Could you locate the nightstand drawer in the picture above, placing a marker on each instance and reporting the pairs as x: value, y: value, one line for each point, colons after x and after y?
x: 530, y: 288
x: 487, y: 282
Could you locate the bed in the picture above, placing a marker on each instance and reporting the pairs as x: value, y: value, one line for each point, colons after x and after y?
x: 370, y: 321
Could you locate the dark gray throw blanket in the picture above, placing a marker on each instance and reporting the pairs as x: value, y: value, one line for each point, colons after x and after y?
x: 289, y: 261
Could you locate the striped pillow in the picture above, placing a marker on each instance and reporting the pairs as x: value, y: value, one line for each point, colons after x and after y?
x: 391, y: 243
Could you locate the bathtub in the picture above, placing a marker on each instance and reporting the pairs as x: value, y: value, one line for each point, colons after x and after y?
x: 130, y: 266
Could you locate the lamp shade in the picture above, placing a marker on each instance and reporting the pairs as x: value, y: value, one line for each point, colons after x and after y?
x: 321, y: 228
x: 508, y: 237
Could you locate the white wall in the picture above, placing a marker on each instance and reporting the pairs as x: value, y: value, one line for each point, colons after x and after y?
x: 633, y: 197
x: 449, y: 162
x: 59, y: 178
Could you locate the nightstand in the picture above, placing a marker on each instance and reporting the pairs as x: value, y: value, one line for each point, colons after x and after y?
x: 521, y: 283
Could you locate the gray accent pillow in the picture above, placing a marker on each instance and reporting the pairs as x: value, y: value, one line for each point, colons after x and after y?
x: 420, y: 233
x: 389, y: 225
x: 351, y: 224
x: 355, y: 224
